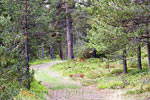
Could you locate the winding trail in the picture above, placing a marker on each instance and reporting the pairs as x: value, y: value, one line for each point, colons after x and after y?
x: 63, y: 88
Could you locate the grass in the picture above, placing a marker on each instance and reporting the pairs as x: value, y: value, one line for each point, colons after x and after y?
x: 64, y: 86
x: 40, y: 61
x: 96, y: 72
x: 71, y: 67
x: 112, y: 85
x: 57, y: 81
x: 37, y: 92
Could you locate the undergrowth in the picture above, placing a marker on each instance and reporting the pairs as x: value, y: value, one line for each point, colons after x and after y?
x: 37, y: 92
x: 97, y: 72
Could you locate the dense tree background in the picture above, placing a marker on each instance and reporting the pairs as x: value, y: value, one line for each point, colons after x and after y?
x: 68, y: 29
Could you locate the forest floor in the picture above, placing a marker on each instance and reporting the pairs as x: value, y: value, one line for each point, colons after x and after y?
x: 63, y: 88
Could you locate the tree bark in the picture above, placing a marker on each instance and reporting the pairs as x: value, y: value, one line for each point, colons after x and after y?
x: 139, y: 58
x: 26, y: 43
x: 69, y: 34
x: 51, y: 51
x: 61, y: 52
x: 94, y: 53
x: 148, y: 52
x: 124, y: 62
x: 42, y: 47
x: 42, y: 43
x: 108, y: 65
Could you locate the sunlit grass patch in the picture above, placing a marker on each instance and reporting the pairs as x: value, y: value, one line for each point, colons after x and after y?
x: 64, y: 86
x: 72, y: 67
x: 54, y: 79
x: 110, y: 85
x: 40, y: 61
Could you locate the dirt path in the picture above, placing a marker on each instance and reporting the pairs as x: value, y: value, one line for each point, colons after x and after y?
x: 63, y: 88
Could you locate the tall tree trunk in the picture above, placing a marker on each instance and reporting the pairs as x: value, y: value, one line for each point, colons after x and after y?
x: 139, y: 57
x: 94, y: 53
x: 61, y: 51
x: 26, y: 43
x: 51, y: 51
x: 42, y: 47
x: 124, y: 62
x: 108, y: 64
x: 42, y: 43
x: 148, y: 52
x: 39, y: 54
x: 69, y: 34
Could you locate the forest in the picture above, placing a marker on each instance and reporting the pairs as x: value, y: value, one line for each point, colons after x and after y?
x: 74, y: 49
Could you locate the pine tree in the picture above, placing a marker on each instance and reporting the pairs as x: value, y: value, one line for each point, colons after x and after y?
x: 114, y: 22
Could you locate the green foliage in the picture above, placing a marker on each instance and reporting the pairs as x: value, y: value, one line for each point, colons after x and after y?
x: 11, y: 89
x: 72, y: 67
x: 37, y: 92
x: 4, y: 21
x: 116, y: 71
x: 40, y: 61
x: 83, y: 52
x: 12, y: 59
x: 111, y: 25
x: 108, y: 26
x: 111, y: 85
x: 96, y: 72
x: 11, y: 74
x: 11, y: 81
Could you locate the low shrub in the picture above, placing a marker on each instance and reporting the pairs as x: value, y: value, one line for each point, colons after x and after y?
x: 37, y: 92
x: 111, y: 85
x: 116, y: 71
